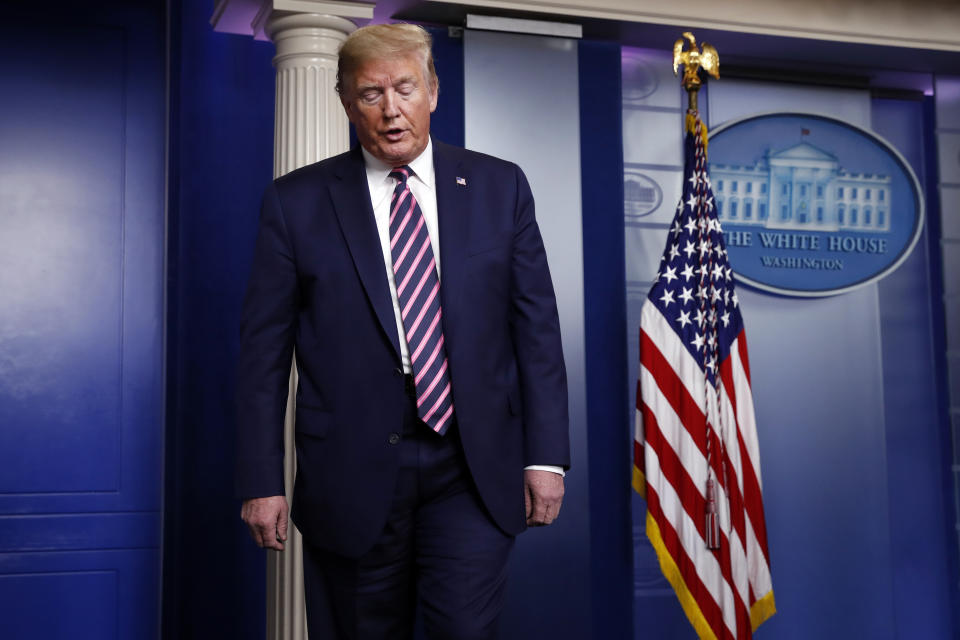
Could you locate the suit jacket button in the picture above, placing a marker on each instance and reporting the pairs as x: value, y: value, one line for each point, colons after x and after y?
x: 398, y: 372
x: 394, y: 438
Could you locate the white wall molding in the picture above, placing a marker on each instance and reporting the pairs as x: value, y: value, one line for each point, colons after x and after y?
x: 923, y: 24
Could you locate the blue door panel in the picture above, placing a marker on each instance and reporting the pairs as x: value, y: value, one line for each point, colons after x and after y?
x: 94, y: 613
x: 99, y: 595
x: 60, y: 261
x: 81, y: 320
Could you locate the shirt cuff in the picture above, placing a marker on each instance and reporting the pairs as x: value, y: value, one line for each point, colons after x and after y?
x: 546, y: 467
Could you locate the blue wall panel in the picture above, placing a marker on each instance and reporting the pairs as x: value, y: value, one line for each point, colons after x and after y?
x: 221, y: 157
x: 916, y: 438
x: 609, y: 436
x: 446, y: 123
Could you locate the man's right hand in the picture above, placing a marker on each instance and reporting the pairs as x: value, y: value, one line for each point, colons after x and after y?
x: 267, y: 521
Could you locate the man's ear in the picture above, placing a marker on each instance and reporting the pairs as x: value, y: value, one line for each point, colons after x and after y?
x: 434, y: 94
x: 347, y: 104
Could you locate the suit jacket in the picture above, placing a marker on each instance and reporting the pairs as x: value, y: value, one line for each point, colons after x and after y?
x: 318, y: 287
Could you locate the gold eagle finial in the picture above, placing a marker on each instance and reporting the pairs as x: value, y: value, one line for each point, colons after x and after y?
x: 705, y: 58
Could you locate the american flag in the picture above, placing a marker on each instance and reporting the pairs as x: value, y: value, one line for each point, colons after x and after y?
x: 696, y: 456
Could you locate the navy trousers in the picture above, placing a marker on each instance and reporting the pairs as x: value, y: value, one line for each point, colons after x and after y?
x: 439, y: 550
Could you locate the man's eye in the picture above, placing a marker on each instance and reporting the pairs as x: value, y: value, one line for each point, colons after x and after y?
x: 405, y: 89
x: 370, y: 96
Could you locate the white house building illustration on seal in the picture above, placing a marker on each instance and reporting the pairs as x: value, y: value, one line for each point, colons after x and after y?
x: 801, y: 188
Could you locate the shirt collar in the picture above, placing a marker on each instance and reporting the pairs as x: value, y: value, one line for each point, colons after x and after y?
x: 378, y: 171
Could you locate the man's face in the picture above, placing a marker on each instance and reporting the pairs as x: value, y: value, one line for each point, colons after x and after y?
x: 390, y: 102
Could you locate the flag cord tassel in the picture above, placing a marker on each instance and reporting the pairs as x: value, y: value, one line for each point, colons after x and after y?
x: 708, y: 315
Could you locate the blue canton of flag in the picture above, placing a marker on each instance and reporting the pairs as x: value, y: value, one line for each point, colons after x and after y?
x: 694, y: 285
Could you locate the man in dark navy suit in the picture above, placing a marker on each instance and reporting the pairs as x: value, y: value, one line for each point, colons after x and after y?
x: 409, y: 278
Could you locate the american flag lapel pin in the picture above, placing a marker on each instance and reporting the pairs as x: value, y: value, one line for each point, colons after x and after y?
x: 461, y: 181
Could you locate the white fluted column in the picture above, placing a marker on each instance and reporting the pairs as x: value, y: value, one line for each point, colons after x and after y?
x: 309, y: 125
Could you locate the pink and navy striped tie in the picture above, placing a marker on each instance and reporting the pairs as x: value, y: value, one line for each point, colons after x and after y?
x: 418, y: 289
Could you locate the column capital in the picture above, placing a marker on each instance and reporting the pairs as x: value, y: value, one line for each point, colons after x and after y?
x: 250, y: 17
x: 306, y: 36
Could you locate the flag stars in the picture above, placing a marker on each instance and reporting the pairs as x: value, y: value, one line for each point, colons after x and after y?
x: 697, y: 341
x: 695, y: 273
x: 667, y: 298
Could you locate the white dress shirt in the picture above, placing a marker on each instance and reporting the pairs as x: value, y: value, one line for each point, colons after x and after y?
x: 423, y: 186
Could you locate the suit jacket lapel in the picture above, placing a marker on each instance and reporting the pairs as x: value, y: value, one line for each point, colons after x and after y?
x: 454, y: 208
x: 351, y: 201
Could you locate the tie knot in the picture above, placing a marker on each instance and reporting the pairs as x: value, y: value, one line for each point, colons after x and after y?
x: 401, y: 173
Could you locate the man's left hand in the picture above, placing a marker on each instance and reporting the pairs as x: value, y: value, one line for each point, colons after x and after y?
x: 543, y: 494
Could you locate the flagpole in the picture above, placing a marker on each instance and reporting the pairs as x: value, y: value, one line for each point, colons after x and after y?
x: 693, y: 386
x: 693, y: 61
x: 692, y: 93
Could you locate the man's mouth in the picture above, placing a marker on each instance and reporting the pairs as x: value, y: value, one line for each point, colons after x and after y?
x: 394, y: 135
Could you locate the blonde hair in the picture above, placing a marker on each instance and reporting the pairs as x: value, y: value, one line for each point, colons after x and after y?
x: 384, y: 42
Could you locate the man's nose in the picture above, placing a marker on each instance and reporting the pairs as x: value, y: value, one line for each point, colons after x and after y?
x: 390, y: 109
